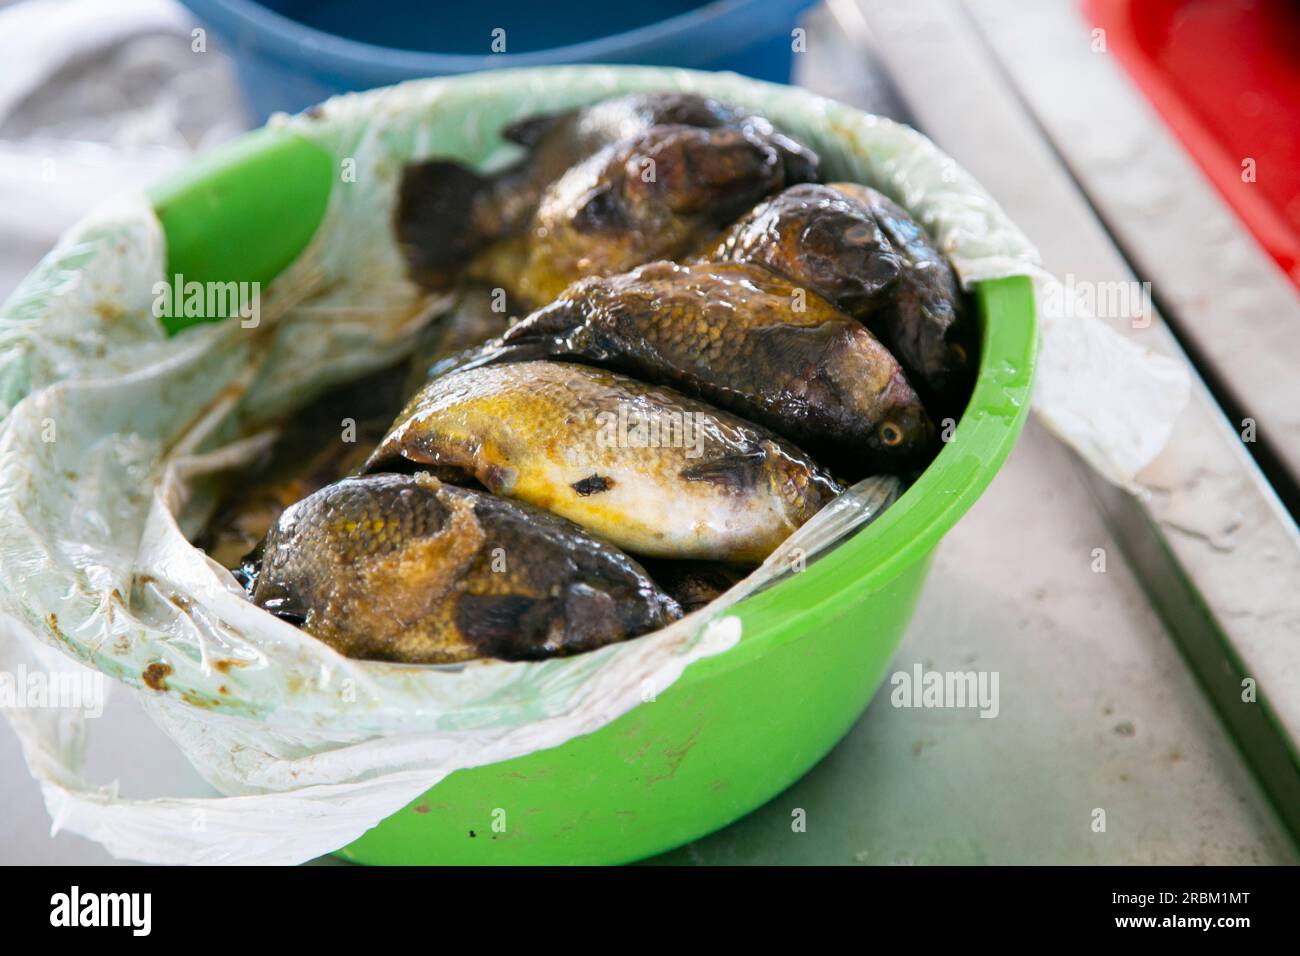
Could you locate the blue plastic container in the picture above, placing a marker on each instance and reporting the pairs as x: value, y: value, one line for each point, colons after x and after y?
x: 293, y: 53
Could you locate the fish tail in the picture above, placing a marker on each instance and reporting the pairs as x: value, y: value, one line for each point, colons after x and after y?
x: 439, y: 219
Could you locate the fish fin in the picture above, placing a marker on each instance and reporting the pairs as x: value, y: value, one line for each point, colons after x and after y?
x: 435, y: 219
x: 488, y: 353
x: 804, y: 349
x: 529, y: 130
x: 396, y: 458
x: 736, y: 470
x: 558, y: 331
x: 556, y: 321
x: 495, y: 352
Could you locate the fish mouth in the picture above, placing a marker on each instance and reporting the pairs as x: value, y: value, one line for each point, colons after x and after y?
x: 904, y: 432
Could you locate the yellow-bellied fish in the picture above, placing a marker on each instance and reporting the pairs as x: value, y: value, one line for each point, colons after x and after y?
x: 643, y: 467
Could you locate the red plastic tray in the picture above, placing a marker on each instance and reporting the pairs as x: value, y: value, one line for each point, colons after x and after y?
x: 1225, y: 75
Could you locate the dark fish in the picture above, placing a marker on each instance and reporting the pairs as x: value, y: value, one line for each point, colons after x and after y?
x: 648, y: 469
x: 859, y: 249
x: 405, y: 568
x: 446, y: 212
x: 820, y: 238
x: 746, y: 340
x: 694, y: 584
x: 652, y: 196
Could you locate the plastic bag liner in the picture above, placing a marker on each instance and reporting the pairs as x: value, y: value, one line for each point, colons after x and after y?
x: 112, y: 433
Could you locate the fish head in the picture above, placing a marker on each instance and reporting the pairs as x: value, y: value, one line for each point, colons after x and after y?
x: 712, y: 173
x: 646, y: 197
x: 793, y: 480
x: 867, y: 385
x: 818, y: 239
x: 601, y: 612
x: 840, y: 247
x: 903, y: 433
x: 675, y: 108
x: 926, y: 319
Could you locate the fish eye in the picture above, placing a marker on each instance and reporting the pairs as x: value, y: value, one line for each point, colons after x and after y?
x: 857, y: 235
x: 891, y: 434
x: 958, y: 353
x: 601, y: 210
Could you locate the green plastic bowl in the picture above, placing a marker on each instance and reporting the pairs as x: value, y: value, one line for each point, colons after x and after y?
x: 737, y: 728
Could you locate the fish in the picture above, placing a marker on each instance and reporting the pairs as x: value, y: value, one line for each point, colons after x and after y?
x: 856, y: 247
x: 745, y: 339
x: 816, y: 236
x: 446, y: 212
x: 694, y: 584
x: 645, y: 468
x: 652, y: 196
x: 409, y: 569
